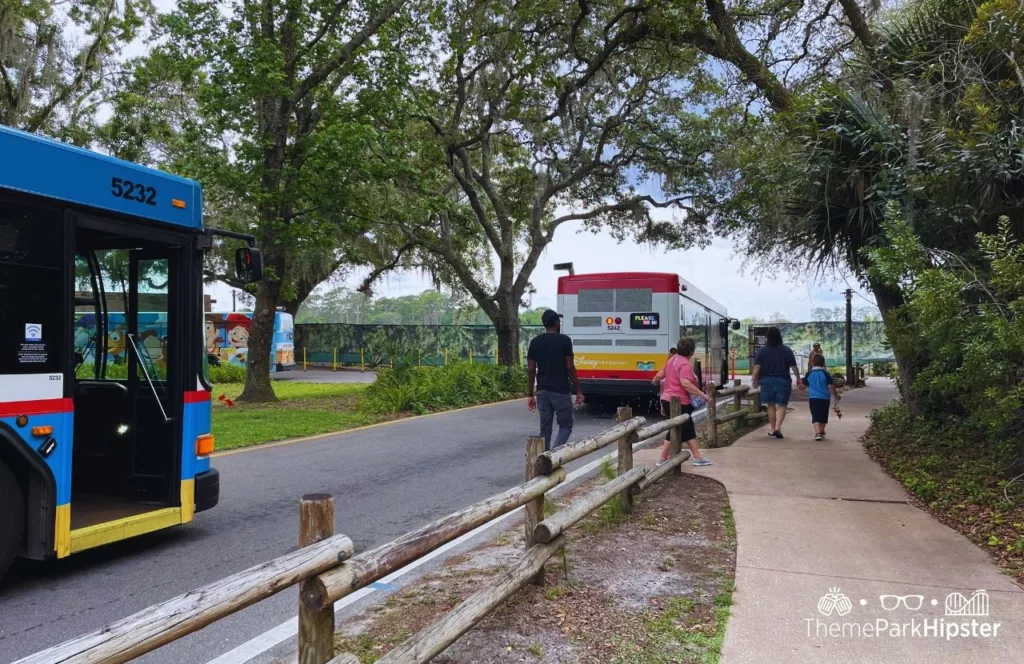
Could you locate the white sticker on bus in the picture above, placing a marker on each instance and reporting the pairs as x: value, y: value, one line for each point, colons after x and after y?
x: 31, y: 387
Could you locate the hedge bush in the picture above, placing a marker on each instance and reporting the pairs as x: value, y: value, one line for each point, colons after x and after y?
x: 424, y: 389
x: 227, y: 373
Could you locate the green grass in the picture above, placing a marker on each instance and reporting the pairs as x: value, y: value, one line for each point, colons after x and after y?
x: 303, y: 409
x: 668, y: 629
x: 290, y: 390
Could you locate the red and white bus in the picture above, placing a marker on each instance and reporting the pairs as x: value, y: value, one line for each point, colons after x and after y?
x: 622, y: 325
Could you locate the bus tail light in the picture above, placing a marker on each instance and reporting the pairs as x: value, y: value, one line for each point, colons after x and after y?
x: 204, y: 444
x: 42, y: 431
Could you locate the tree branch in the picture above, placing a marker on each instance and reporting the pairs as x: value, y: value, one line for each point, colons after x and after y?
x: 474, y: 198
x: 726, y: 45
x: 626, y: 205
x: 365, y: 287
x: 88, y: 62
x: 346, y: 52
x: 631, y: 35
x: 862, y: 31
x: 328, y: 23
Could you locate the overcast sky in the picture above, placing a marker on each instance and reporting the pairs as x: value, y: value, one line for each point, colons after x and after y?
x: 715, y: 270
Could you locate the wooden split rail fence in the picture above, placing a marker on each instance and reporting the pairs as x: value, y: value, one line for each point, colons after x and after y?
x: 326, y: 570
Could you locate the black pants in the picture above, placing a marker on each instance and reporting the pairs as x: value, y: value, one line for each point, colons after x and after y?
x: 819, y: 410
x: 688, y: 431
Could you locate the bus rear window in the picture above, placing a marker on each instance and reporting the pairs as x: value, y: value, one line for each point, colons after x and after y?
x: 592, y: 342
x: 606, y: 300
x: 633, y: 299
x: 595, y: 299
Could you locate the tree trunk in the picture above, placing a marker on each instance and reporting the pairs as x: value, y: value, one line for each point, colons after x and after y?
x: 268, y: 294
x: 910, y: 357
x: 506, y: 324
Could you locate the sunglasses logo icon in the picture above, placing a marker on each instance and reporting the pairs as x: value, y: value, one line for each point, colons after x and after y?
x: 892, y: 602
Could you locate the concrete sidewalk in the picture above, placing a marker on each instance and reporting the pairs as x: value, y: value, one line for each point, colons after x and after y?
x: 824, y: 536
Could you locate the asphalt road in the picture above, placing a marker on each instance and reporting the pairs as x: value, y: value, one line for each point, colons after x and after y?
x: 386, y: 480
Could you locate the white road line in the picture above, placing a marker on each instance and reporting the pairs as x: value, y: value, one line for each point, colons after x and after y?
x: 289, y: 628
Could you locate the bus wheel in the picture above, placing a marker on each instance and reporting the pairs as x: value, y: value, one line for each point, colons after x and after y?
x: 12, y: 517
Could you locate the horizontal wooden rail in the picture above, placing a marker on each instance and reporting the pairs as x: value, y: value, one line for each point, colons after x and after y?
x: 553, y: 526
x: 367, y: 567
x: 656, y: 438
x: 168, y: 621
x: 560, y: 456
x: 735, y: 415
x: 661, y: 471
x: 739, y: 389
x: 657, y: 428
x: 433, y: 640
x: 344, y: 658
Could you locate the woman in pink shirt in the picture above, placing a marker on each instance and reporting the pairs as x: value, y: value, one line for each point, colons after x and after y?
x: 679, y: 380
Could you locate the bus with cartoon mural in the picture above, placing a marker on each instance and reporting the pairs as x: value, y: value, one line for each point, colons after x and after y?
x: 227, y: 339
x: 105, y: 412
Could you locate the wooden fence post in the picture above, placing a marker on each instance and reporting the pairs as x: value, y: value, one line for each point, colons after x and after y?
x: 626, y: 456
x: 316, y: 628
x: 738, y: 403
x: 755, y: 406
x: 535, y: 508
x: 712, y: 417
x: 675, y: 409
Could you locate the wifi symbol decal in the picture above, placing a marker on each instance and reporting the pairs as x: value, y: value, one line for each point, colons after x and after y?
x: 33, y: 332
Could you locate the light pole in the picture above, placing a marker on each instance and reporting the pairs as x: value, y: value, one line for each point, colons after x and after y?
x: 851, y: 379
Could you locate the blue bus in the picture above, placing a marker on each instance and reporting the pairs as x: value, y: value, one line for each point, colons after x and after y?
x: 104, y: 429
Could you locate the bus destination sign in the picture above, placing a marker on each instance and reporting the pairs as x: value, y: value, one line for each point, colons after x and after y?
x: 648, y: 321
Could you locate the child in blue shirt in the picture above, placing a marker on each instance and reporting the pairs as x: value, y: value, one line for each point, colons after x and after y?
x: 822, y: 389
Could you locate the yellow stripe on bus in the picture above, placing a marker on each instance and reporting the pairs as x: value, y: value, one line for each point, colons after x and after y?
x: 188, y: 500
x: 122, y: 529
x: 620, y: 361
x: 67, y: 541
x: 62, y: 531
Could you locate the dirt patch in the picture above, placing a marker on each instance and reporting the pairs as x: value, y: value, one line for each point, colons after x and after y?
x: 648, y: 587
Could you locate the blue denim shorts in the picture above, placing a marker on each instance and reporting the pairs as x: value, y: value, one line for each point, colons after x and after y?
x: 776, y: 390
